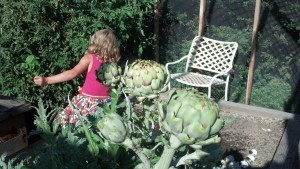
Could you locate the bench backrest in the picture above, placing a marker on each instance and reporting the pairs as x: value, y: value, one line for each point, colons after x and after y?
x: 211, y: 55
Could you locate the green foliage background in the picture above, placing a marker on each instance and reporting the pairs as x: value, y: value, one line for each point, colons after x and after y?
x: 42, y: 37
x: 47, y: 37
x: 276, y: 76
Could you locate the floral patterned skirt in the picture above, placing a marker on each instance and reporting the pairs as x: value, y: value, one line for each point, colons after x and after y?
x: 86, y: 106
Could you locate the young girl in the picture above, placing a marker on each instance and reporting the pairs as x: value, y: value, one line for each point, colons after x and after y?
x: 103, y: 48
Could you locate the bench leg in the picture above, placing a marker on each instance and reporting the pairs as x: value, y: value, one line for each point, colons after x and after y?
x: 226, y: 88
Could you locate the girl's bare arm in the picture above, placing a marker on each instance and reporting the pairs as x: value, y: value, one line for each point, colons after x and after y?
x: 81, y: 67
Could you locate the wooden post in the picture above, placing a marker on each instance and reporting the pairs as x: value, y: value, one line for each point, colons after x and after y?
x: 156, y: 28
x: 201, y: 17
x: 253, y: 50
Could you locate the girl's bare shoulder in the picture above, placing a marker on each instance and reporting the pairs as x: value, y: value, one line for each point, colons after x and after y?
x: 88, y: 57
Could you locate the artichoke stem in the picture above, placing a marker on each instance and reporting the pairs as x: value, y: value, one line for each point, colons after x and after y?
x: 147, y: 121
x: 212, y: 140
x: 138, y: 152
x: 165, y: 159
x: 193, y: 156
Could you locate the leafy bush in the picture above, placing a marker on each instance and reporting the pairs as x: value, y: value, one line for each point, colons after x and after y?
x: 263, y: 94
x: 46, y: 37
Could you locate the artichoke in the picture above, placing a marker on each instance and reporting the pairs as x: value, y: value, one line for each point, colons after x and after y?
x: 109, y: 74
x: 190, y: 116
x: 145, y: 79
x: 112, y: 128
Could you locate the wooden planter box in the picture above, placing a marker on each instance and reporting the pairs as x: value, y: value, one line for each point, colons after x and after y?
x: 14, y: 142
x: 288, y: 150
x: 13, y: 133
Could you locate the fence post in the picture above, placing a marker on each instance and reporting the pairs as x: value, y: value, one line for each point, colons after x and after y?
x: 253, y: 50
x: 201, y: 17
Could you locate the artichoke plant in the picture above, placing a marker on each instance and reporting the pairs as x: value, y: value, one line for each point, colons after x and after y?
x: 145, y: 79
x: 112, y: 128
x: 190, y: 116
x: 109, y: 74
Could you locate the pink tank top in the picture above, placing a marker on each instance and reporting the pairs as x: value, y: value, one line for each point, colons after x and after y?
x: 91, y: 86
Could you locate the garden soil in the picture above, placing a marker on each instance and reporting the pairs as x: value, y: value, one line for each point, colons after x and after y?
x: 241, y: 133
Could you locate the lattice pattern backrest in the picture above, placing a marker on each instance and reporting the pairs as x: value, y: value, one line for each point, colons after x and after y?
x: 212, y: 55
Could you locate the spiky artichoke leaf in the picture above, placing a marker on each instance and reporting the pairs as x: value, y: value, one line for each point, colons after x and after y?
x: 112, y: 128
x: 197, y: 130
x: 145, y: 90
x: 218, y: 125
x: 185, y: 139
x: 129, y: 83
x: 174, y: 141
x: 176, y: 124
x: 164, y: 89
x: 199, y: 144
x: 166, y: 127
x: 147, y: 79
x: 155, y: 84
x: 160, y: 110
x: 189, y: 114
x: 208, y: 117
x: 173, y: 107
x: 170, y: 94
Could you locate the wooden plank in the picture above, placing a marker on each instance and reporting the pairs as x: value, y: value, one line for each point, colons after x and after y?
x: 7, y: 102
x: 11, y: 124
x: 12, y: 107
x: 255, y: 110
x: 15, y: 144
x: 287, y: 153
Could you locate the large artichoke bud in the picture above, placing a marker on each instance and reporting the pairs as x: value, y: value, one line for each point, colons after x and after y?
x: 109, y: 74
x: 190, y: 116
x: 145, y: 79
x: 112, y: 128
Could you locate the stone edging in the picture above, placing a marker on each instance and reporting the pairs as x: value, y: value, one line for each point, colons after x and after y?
x: 255, y: 110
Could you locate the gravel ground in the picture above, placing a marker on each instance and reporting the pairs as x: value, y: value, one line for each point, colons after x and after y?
x: 242, y: 133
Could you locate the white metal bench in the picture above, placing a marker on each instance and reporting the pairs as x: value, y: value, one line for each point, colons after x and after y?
x: 206, y: 56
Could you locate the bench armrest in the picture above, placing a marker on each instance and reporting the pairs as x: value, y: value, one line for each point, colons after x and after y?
x: 175, y: 62
x: 229, y: 72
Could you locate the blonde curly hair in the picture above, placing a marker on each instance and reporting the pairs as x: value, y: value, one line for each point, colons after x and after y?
x: 104, y: 44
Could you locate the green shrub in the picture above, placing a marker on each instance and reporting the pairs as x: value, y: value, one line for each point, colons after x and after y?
x: 264, y: 94
x: 46, y: 37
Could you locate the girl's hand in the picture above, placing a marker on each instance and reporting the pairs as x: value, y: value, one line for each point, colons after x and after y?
x: 40, y: 80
